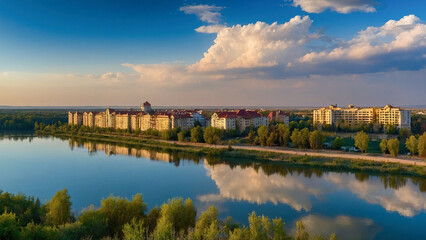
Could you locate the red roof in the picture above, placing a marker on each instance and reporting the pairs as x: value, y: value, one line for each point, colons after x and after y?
x: 227, y: 114
x: 248, y: 114
x: 147, y: 103
x: 181, y: 115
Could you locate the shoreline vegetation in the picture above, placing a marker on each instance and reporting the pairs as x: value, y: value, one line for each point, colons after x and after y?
x: 319, y: 159
x: 24, y: 217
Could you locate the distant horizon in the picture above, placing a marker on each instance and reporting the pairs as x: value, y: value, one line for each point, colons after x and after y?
x: 213, y: 53
x: 5, y: 107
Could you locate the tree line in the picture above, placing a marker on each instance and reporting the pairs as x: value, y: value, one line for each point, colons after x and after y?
x: 120, y: 218
x: 25, y: 120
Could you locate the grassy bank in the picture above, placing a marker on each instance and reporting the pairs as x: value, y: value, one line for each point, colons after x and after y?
x: 225, y: 155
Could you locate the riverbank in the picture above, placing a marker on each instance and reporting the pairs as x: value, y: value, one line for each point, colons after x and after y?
x: 322, y: 159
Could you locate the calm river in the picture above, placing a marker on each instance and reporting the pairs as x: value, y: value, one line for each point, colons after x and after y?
x: 353, y: 205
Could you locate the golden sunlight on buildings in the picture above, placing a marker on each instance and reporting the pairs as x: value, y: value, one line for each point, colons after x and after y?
x: 386, y: 115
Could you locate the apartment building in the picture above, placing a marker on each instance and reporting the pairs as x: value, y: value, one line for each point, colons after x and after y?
x: 395, y: 116
x: 184, y: 121
x: 89, y: 119
x: 279, y: 116
x: 224, y: 120
x: 386, y: 115
x: 162, y: 121
x: 75, y: 118
x: 241, y: 119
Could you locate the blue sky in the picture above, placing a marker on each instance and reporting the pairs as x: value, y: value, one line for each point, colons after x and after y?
x: 132, y: 50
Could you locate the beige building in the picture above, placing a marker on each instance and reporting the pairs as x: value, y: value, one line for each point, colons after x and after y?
x: 184, y: 121
x: 100, y: 120
x: 395, y: 116
x: 162, y: 121
x: 224, y: 120
x: 146, y: 122
x: 132, y: 120
x: 89, y: 119
x: 75, y: 118
x: 333, y: 114
x: 241, y: 119
x: 387, y: 115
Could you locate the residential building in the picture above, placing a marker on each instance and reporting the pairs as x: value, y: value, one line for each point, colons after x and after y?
x: 183, y: 120
x: 224, y: 120
x: 333, y: 114
x: 394, y: 116
x: 162, y: 121
x: 75, y: 118
x: 100, y: 120
x: 386, y: 115
x: 146, y: 107
x: 279, y: 116
x: 241, y: 120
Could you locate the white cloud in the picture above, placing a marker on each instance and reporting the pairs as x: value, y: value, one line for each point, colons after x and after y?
x: 206, y: 13
x: 296, y: 190
x: 397, y: 45
x: 112, y: 75
x: 256, y: 45
x: 340, y: 6
x: 356, y: 228
x: 407, y: 34
x: 210, y: 29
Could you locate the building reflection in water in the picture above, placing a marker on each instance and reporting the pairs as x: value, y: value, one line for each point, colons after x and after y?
x: 281, y: 184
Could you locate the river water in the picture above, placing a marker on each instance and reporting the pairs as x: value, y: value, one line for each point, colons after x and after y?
x: 352, y: 205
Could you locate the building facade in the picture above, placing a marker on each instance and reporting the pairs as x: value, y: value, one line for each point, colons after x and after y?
x: 394, y: 116
x: 241, y: 120
x: 386, y: 115
x: 279, y: 116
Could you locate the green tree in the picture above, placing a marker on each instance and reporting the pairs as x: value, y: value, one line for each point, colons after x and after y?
x: 197, y: 134
x: 134, y: 230
x: 301, y: 233
x: 361, y: 141
x: 59, y: 208
x: 164, y: 230
x: 207, y: 225
x: 384, y: 146
x: 316, y: 139
x: 212, y: 135
x: 393, y: 147
x: 240, y: 234
x: 37, y: 231
x: 152, y: 219
x: 278, y: 229
x: 165, y: 135
x: 283, y: 132
x: 251, y: 136
x: 94, y: 223
x: 271, y: 139
x: 181, y: 136
x: 260, y: 227
x: 404, y: 133
x: 296, y: 139
x: 412, y: 143
x: 304, y: 135
x: 337, y: 143
x: 9, y: 228
x: 421, y: 147
x: 391, y: 129
x: 181, y: 215
x: 119, y: 211
x: 263, y: 133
